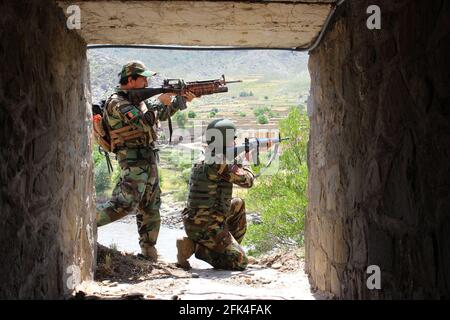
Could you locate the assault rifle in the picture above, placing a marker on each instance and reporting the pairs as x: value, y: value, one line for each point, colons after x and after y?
x: 254, y: 146
x: 180, y: 87
x: 248, y: 147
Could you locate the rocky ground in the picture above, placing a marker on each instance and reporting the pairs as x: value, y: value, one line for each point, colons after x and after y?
x: 124, y: 275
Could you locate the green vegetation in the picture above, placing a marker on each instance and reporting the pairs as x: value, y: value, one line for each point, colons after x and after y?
x: 213, y: 112
x: 262, y: 119
x: 191, y: 114
x: 242, y: 114
x: 281, y: 198
x: 176, y: 174
x: 246, y: 94
x: 181, y: 118
x: 104, y: 181
x: 261, y: 114
x: 261, y: 111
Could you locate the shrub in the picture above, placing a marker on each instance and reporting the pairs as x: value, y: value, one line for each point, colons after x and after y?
x: 103, y: 179
x: 262, y: 119
x: 191, y: 114
x: 281, y: 198
x: 261, y: 111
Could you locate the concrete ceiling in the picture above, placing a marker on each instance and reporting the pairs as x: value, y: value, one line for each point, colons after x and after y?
x: 265, y: 24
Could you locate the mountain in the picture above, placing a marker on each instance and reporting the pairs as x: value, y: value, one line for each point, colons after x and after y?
x: 105, y: 64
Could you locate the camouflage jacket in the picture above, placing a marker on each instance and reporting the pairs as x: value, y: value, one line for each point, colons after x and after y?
x: 146, y: 116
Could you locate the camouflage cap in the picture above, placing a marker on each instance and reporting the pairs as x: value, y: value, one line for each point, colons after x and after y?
x: 135, y: 68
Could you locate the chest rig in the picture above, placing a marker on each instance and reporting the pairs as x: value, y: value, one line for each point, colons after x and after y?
x: 207, y: 190
x: 128, y: 135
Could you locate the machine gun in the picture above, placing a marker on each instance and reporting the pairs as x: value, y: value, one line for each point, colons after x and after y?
x: 179, y: 87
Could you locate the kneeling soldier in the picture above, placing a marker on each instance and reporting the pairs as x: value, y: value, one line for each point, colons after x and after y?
x: 214, y: 222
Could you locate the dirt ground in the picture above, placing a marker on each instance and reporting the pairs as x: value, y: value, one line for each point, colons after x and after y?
x: 120, y: 275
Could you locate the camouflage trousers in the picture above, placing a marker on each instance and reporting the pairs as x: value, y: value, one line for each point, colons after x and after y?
x: 218, y: 236
x: 137, y: 191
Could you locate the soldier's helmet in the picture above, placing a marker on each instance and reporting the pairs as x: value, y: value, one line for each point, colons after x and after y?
x: 135, y: 68
x: 222, y: 129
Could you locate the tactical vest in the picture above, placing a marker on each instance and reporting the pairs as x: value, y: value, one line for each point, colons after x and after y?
x: 128, y: 136
x: 208, y: 191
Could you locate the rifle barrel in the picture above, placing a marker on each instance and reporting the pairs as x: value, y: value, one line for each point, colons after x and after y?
x: 234, y: 81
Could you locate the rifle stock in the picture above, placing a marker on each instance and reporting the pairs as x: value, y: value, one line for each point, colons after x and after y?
x: 135, y: 96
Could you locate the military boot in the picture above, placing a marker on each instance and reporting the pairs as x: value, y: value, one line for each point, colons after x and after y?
x: 186, y: 248
x: 149, y: 252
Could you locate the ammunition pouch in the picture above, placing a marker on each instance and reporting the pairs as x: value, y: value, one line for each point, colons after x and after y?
x: 128, y: 136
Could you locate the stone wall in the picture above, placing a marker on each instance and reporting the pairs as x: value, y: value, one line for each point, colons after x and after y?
x: 379, y: 152
x: 46, y: 187
x: 256, y: 23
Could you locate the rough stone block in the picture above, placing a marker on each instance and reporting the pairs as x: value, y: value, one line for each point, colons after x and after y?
x: 46, y: 201
x: 381, y: 116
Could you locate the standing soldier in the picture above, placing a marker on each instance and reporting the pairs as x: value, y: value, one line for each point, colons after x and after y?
x: 132, y: 130
x: 215, y: 223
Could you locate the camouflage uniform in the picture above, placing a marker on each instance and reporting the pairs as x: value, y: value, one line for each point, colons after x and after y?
x: 214, y: 221
x: 138, y: 187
